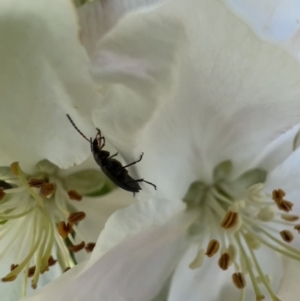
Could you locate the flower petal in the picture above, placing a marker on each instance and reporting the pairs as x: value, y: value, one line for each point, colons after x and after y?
x: 209, y: 282
x: 98, y: 16
x: 98, y: 210
x: 228, y: 104
x: 278, y: 21
x: 144, y: 214
x: 289, y: 287
x: 43, y: 74
x: 140, y: 266
x: 141, y: 69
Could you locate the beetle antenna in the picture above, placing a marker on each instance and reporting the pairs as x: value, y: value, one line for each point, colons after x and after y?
x: 77, y: 129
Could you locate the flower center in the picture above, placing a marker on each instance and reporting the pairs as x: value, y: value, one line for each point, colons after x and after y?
x: 38, y: 219
x: 238, y: 226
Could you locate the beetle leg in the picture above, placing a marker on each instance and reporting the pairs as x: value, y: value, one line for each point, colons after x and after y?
x: 142, y: 180
x: 116, y: 154
x: 139, y: 160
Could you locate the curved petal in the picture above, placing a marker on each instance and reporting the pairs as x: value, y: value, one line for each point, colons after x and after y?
x: 98, y: 16
x: 98, y: 210
x: 140, y: 266
x: 209, y: 282
x: 228, y: 104
x: 140, y: 216
x: 43, y: 74
x: 277, y: 21
x: 289, y: 287
x: 139, y: 56
x: 277, y: 151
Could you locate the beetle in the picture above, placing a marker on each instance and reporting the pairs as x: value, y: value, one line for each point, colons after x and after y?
x: 112, y: 168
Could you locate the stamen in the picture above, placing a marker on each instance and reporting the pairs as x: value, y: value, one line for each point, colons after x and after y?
x: 284, y: 205
x: 287, y: 236
x: 64, y: 229
x: 31, y: 271
x: 230, y: 220
x: 212, y: 248
x: 74, y: 195
x: 47, y: 189
x: 2, y: 194
x: 238, y: 280
x: 90, y: 247
x: 51, y: 261
x: 67, y: 269
x: 297, y: 227
x: 77, y: 248
x: 13, y: 266
x: 76, y: 217
x: 266, y: 214
x: 289, y: 217
x: 198, y: 261
x: 37, y: 183
x: 224, y: 261
x: 15, y: 169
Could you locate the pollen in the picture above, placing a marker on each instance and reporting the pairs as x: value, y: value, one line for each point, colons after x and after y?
x: 2, y: 194
x: 90, y: 247
x: 47, y: 189
x: 282, y: 204
x: 76, y: 217
x: 224, y: 261
x: 77, y: 248
x: 287, y: 236
x: 230, y: 220
x: 36, y: 183
x: 74, y: 195
x: 238, y: 280
x: 212, y: 248
x: 64, y: 229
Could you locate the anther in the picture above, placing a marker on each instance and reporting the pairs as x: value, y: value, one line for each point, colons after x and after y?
x: 13, y: 266
x: 289, y: 217
x: 238, y: 280
x: 277, y: 195
x: 2, y: 194
x: 266, y: 214
x: 198, y: 260
x: 90, y: 247
x: 212, y: 248
x: 47, y: 189
x: 297, y: 227
x: 74, y: 195
x: 224, y: 261
x: 51, y: 261
x: 230, y: 220
x: 287, y: 236
x: 31, y: 271
x: 77, y: 248
x: 36, y: 183
x: 64, y: 229
x: 9, y: 279
x: 76, y: 217
x: 15, y: 169
x: 252, y: 241
x: 284, y: 205
x: 67, y: 269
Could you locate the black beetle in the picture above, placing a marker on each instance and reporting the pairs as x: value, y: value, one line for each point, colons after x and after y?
x: 112, y: 168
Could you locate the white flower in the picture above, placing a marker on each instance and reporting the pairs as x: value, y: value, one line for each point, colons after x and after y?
x: 209, y: 110
x: 43, y: 77
x: 208, y: 105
